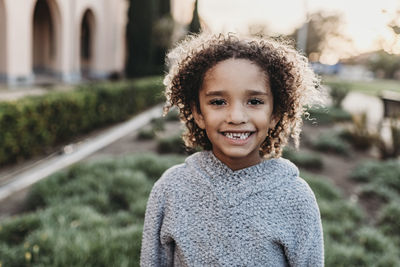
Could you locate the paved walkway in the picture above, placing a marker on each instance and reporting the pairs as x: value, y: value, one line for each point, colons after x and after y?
x: 75, y: 153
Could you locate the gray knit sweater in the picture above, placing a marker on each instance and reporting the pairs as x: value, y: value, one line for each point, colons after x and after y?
x: 201, y: 213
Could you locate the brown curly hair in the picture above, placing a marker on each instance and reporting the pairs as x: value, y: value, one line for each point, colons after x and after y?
x: 293, y: 84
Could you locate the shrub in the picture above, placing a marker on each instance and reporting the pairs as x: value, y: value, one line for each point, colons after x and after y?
x: 343, y: 255
x: 327, y: 115
x: 14, y: 230
x: 389, y: 220
x: 340, y: 211
x: 331, y: 142
x: 91, y: 215
x: 172, y: 144
x: 172, y: 115
x: 307, y: 160
x: 378, y: 191
x: 359, y: 136
x: 381, y: 173
x: 322, y: 187
x: 31, y: 125
x: 146, y: 134
x: 338, y: 92
x: 158, y: 124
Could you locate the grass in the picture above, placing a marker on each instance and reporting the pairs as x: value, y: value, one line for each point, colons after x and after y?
x: 349, y: 239
x: 374, y: 87
x: 88, y: 215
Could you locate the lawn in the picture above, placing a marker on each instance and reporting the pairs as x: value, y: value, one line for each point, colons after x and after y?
x: 373, y: 87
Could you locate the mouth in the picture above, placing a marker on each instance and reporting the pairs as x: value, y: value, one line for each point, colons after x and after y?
x: 237, y: 135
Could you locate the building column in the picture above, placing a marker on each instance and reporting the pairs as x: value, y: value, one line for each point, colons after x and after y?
x: 19, y: 41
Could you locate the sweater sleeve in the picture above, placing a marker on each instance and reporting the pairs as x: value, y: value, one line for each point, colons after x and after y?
x: 153, y: 252
x: 306, y: 246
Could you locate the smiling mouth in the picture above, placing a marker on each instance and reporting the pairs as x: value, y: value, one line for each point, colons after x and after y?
x: 237, y: 136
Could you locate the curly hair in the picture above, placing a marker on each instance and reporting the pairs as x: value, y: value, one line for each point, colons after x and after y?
x: 293, y: 84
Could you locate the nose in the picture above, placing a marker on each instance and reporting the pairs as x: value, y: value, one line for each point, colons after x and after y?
x: 237, y: 114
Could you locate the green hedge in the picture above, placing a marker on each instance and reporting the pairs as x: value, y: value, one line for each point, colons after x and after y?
x: 31, y: 125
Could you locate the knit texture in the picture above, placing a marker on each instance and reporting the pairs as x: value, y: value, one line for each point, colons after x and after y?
x: 202, y: 213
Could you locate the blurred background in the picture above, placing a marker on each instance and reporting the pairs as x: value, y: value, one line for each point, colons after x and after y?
x: 73, y: 70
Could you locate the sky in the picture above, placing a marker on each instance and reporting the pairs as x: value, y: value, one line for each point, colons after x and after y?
x: 364, y: 21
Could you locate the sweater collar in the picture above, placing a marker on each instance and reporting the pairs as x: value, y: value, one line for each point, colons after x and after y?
x: 234, y: 186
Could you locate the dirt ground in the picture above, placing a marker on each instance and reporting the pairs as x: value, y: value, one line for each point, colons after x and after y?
x: 337, y: 168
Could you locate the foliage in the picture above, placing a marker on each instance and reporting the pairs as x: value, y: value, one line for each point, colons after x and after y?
x: 381, y: 193
x: 194, y: 26
x: 172, y: 115
x: 374, y: 87
x: 307, y: 160
x: 149, y: 32
x: 141, y: 15
x: 172, y: 144
x: 338, y: 92
x: 92, y: 214
x: 31, y: 125
x: 358, y: 135
x: 89, y: 215
x: 158, y: 124
x: 146, y: 134
x: 328, y: 115
x: 321, y: 30
x: 385, y: 63
x: 349, y: 241
x: 380, y: 173
x: 389, y: 220
x: 331, y: 142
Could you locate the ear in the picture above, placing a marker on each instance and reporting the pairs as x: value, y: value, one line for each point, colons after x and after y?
x: 198, y: 117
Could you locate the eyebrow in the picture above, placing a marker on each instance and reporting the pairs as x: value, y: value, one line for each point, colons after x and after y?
x: 249, y: 92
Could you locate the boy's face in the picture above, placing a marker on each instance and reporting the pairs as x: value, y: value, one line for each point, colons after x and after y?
x: 236, y: 105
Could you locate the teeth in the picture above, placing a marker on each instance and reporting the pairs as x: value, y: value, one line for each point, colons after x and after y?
x: 241, y: 136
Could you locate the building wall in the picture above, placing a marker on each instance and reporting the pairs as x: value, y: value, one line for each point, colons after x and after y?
x: 3, y: 54
x: 33, y: 46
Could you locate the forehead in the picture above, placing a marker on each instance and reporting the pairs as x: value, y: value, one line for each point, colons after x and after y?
x: 234, y: 73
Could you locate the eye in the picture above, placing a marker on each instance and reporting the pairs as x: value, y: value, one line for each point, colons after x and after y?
x: 255, y: 101
x: 218, y: 102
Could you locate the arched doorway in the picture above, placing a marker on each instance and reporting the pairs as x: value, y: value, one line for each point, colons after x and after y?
x: 87, y: 37
x: 44, y: 39
x: 3, y: 42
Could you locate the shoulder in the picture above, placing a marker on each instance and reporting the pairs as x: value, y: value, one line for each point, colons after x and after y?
x: 284, y: 166
x: 293, y: 189
x: 178, y: 176
x: 172, y: 176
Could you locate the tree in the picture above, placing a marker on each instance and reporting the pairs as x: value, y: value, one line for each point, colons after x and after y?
x: 195, y: 26
x: 149, y: 31
x: 321, y: 30
x: 384, y: 63
x: 141, y: 15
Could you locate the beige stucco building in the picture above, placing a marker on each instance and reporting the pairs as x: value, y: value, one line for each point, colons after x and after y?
x: 66, y: 40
